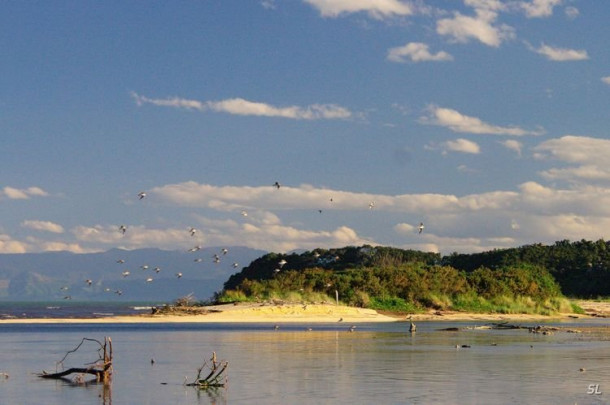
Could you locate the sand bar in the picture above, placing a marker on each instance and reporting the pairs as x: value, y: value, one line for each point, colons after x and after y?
x: 311, y: 313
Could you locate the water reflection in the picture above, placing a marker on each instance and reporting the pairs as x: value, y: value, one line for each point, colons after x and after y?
x: 329, y: 364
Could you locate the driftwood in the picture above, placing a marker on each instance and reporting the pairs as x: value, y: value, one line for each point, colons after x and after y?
x: 100, y: 368
x: 213, y: 379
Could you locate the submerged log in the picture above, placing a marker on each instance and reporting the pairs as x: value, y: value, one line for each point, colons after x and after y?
x: 101, y: 368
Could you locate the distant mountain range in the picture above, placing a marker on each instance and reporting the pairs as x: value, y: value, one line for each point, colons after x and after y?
x: 103, y: 276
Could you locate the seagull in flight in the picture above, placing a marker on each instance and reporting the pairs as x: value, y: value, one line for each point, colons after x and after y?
x: 89, y: 282
x: 225, y: 251
x: 193, y: 231
x: 120, y: 261
x: 282, y: 263
x: 123, y: 229
x: 179, y: 275
x: 141, y: 195
x: 371, y: 205
x: 149, y: 279
x: 277, y: 185
x: 195, y: 248
x: 125, y: 274
x: 244, y: 213
x: 235, y: 265
x: 421, y: 227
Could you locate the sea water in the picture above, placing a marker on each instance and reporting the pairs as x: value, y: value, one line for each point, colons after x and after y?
x: 374, y: 364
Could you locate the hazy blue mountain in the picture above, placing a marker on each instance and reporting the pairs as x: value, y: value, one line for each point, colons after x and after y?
x: 56, y: 275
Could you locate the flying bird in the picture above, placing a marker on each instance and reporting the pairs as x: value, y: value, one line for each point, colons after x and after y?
x: 123, y: 229
x: 371, y: 205
x: 225, y: 251
x: 125, y: 274
x: 144, y: 267
x: 141, y: 194
x: 282, y: 263
x: 157, y: 270
x: 89, y: 282
x: 179, y: 275
x: 421, y: 227
x: 120, y: 261
x: 235, y: 265
x: 244, y: 213
x: 149, y: 279
x: 277, y: 185
x: 195, y: 248
x: 193, y: 231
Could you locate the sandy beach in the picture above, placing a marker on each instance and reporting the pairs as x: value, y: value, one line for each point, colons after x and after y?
x: 312, y: 313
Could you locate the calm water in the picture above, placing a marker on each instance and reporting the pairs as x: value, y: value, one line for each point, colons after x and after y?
x: 378, y: 363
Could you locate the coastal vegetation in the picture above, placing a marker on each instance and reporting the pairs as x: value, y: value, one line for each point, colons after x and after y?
x: 529, y: 279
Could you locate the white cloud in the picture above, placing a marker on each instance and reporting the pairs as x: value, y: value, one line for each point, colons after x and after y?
x: 22, y: 194
x: 562, y: 54
x: 462, y: 145
x: 239, y: 106
x: 590, y: 155
x: 375, y: 8
x: 513, y: 145
x: 458, y: 122
x: 531, y: 213
x: 577, y: 149
x: 480, y: 27
x: 46, y: 226
x: 416, y: 52
x: 8, y: 245
x: 539, y: 8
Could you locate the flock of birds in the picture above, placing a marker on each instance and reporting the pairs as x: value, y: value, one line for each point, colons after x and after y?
x: 193, y: 232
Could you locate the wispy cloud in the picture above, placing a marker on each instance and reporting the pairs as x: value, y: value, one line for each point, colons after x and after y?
x: 22, y: 194
x: 457, y: 122
x: 481, y: 27
x: 561, y: 54
x: 46, y: 226
x: 239, y: 106
x: 539, y: 8
x: 416, y: 52
x: 268, y: 4
x: 513, y: 145
x: 572, y: 12
x: 377, y: 9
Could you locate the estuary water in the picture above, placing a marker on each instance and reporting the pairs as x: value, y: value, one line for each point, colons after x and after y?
x: 375, y: 364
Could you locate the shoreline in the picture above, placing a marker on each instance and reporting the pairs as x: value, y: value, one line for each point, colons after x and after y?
x: 313, y: 313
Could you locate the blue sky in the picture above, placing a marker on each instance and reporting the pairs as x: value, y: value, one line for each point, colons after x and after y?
x: 486, y: 120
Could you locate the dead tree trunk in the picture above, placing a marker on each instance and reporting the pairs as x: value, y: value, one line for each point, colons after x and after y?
x: 100, y: 368
x: 213, y: 379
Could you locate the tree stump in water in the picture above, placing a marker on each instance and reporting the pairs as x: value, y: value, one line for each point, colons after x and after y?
x: 100, y: 368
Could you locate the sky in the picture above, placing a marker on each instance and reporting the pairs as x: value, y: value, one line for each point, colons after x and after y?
x: 485, y: 120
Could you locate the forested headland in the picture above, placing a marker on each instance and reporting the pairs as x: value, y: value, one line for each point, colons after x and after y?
x: 528, y: 279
